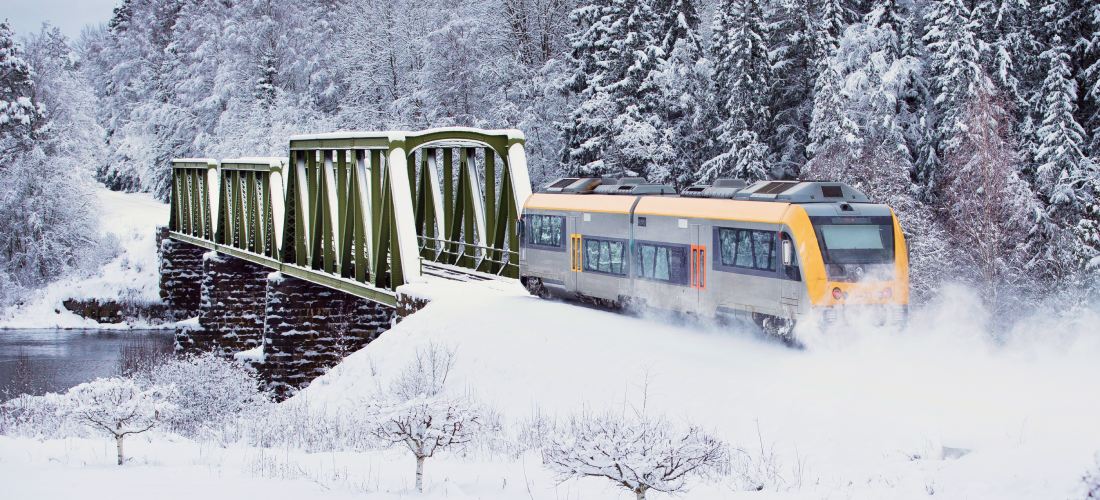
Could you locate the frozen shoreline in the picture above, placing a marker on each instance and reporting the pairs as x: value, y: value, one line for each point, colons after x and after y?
x: 133, y: 276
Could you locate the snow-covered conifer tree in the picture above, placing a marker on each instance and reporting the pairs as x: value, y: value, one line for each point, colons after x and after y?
x: 1063, y: 166
x: 50, y: 225
x: 742, y: 79
x: 680, y: 104
x: 18, y: 113
x: 955, y: 62
x: 612, y: 130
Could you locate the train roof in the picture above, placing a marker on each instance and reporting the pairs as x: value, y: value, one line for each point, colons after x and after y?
x: 734, y: 189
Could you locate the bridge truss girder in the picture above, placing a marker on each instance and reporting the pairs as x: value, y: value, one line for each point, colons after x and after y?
x: 335, y: 212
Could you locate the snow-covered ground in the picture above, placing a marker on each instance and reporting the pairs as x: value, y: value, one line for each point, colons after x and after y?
x: 132, y: 275
x: 934, y: 410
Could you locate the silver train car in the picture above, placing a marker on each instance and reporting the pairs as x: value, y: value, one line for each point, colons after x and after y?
x: 776, y: 253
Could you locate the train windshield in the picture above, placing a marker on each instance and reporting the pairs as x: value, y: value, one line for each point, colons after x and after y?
x: 856, y: 248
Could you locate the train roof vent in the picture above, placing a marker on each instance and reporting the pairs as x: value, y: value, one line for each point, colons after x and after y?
x: 722, y: 188
x: 634, y: 186
x: 572, y: 185
x: 802, y: 192
x: 730, y: 183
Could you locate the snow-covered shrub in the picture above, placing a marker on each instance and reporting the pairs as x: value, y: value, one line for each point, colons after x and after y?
x: 212, y: 393
x: 756, y: 468
x: 299, y: 424
x: 415, y: 412
x: 637, y: 451
x: 120, y: 407
x: 46, y: 416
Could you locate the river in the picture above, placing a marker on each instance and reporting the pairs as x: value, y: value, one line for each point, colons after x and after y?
x: 54, y: 360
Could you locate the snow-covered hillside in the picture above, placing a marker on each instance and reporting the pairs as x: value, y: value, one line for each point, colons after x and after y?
x: 131, y: 276
x: 855, y: 412
x: 936, y: 409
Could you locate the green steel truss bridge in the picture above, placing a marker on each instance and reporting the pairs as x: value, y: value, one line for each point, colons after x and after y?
x: 363, y: 212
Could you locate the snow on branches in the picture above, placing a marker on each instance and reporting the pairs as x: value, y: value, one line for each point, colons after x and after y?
x: 635, y: 450
x: 210, y: 391
x: 415, y: 412
x: 120, y: 407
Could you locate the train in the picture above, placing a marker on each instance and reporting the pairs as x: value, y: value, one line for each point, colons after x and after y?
x: 776, y: 253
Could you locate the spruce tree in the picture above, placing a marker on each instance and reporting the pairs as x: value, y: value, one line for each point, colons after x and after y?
x: 614, y: 52
x: 19, y: 115
x: 1063, y: 167
x: 742, y: 79
x: 681, y: 102
x: 955, y: 62
x: 1090, y: 71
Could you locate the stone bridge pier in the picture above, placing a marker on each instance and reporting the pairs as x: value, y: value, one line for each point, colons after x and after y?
x: 296, y: 329
x: 299, y: 260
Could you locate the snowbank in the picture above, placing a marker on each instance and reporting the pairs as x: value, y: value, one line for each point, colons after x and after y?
x: 132, y: 276
x: 936, y: 408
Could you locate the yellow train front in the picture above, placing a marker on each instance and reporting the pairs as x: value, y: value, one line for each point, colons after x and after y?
x: 776, y: 253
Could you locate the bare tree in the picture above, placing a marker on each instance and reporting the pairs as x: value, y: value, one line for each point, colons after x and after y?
x: 416, y: 413
x: 637, y: 451
x: 120, y: 407
x: 987, y: 204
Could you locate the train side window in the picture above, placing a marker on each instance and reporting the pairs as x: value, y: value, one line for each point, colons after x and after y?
x: 546, y: 230
x: 744, y: 248
x: 616, y: 249
x: 764, y: 248
x: 603, y: 256
x: 747, y: 248
x: 727, y: 242
x: 662, y: 263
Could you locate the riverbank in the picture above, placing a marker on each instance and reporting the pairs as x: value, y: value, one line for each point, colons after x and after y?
x: 130, y: 281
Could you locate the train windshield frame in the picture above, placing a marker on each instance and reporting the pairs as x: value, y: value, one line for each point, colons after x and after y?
x: 855, y: 240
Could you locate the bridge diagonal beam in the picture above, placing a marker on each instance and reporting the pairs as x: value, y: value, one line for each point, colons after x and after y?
x: 362, y: 208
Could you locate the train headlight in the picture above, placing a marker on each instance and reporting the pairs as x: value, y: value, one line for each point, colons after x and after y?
x: 886, y: 293
x: 837, y: 294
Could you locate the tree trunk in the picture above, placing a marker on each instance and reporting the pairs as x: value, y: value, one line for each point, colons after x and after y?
x: 118, y: 442
x: 420, y: 474
x: 641, y: 493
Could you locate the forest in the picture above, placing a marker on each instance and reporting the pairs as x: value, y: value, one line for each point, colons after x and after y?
x: 978, y: 121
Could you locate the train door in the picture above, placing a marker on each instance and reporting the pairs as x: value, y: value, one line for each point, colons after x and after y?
x: 792, y: 276
x: 575, y: 254
x: 698, y: 268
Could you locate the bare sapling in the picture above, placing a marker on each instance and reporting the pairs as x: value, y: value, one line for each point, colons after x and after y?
x: 120, y: 407
x: 415, y: 412
x: 637, y: 451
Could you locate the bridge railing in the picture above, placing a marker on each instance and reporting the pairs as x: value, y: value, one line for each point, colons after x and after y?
x: 356, y: 210
x: 193, y: 180
x: 250, y: 199
x: 439, y: 250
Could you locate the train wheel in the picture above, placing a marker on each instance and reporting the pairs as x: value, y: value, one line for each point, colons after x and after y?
x: 778, y: 328
x: 535, y: 287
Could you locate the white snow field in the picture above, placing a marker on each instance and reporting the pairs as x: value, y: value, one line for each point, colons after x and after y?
x: 934, y: 410
x: 132, y: 275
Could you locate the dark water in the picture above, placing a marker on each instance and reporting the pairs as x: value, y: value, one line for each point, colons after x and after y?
x: 36, y: 361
